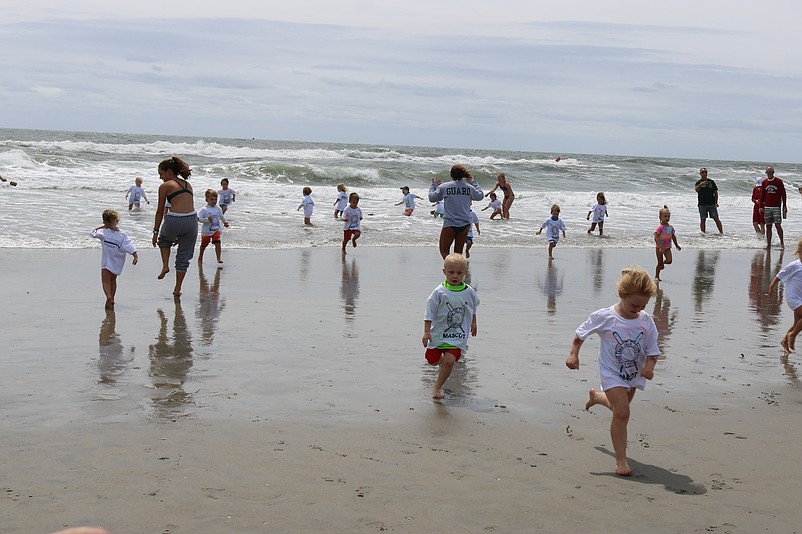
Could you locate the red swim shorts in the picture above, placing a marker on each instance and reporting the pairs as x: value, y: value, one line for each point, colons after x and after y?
x: 408, y: 211
x: 348, y: 234
x: 214, y: 238
x: 433, y: 355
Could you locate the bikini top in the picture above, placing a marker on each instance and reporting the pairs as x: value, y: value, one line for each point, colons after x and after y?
x: 172, y: 195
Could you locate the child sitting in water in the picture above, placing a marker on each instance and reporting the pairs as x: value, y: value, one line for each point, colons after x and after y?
x: 494, y: 203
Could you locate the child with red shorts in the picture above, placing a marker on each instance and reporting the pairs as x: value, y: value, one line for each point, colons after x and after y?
x: 211, y: 215
x: 352, y: 221
x: 450, y: 315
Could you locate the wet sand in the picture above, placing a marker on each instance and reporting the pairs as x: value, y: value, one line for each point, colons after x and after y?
x: 288, y: 392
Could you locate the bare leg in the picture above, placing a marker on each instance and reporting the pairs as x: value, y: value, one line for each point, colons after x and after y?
x: 768, y: 236
x: 446, y: 239
x: 355, y: 237
x: 165, y: 254
x: 459, y: 241
x: 447, y: 361
x: 596, y: 397
x: 106, y: 282
x: 619, y: 399
x: 179, y: 280
x: 201, y: 251
x: 790, y: 337
x: 345, y: 242
x: 551, y: 248
x: 601, y: 228
x: 718, y: 225
x: 780, y: 235
x: 702, y: 224
x: 218, y: 250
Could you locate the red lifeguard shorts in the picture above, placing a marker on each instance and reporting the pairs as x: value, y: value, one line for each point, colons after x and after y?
x: 214, y: 238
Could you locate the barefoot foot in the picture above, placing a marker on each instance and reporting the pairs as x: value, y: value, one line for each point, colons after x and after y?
x: 784, y: 344
x: 163, y: 273
x: 591, y: 399
x: 622, y: 468
x: 438, y: 394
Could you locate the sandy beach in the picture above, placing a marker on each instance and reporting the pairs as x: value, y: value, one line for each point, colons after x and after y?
x: 287, y: 392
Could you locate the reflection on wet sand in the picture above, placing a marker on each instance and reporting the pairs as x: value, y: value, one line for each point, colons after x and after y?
x: 597, y: 267
x: 664, y: 319
x: 704, y: 278
x: 766, y: 307
x: 210, y: 305
x: 170, y: 362
x: 349, y: 288
x: 552, y: 286
x: 111, y: 361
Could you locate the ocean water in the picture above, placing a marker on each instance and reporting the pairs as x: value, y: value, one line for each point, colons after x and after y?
x: 66, y: 179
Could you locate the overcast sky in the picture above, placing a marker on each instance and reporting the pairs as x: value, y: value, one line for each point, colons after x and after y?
x: 718, y: 79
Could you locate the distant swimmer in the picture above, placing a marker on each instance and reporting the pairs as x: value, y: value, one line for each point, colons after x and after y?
x: 13, y: 183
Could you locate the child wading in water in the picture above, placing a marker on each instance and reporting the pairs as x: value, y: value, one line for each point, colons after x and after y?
x: 341, y: 202
x: 226, y: 195
x: 308, y: 205
x: 664, y: 235
x: 450, y: 315
x: 352, y: 225
x: 627, y: 354
x: 791, y: 277
x: 135, y: 194
x: 211, y: 215
x: 116, y: 245
x: 553, y: 225
x: 494, y: 203
x: 599, y: 212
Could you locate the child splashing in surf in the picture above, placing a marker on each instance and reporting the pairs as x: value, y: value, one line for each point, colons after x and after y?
x: 791, y: 277
x: 627, y: 354
x: 664, y: 235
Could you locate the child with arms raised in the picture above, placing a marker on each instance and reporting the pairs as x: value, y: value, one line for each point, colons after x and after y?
x: 627, y: 355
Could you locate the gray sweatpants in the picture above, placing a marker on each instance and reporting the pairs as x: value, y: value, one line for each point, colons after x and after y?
x: 184, y: 229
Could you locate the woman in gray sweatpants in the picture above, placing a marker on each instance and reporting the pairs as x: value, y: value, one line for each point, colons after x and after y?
x: 178, y: 222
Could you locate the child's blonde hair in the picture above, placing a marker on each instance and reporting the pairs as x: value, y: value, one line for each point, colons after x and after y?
x: 664, y: 210
x: 307, y: 190
x: 599, y: 195
x: 111, y: 218
x: 635, y: 281
x: 457, y: 258
x: 341, y: 187
x: 798, y: 251
x: 138, y: 180
x: 210, y: 193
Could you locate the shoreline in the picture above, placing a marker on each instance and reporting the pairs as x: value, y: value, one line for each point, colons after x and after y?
x: 288, y: 391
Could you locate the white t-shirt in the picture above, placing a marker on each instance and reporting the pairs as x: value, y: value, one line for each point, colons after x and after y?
x: 451, y: 313
x: 625, y: 345
x: 308, y: 205
x: 495, y: 205
x: 791, y: 277
x: 353, y: 218
x: 599, y: 213
x: 116, y: 245
x: 225, y: 196
x: 342, y: 200
x: 136, y: 194
x: 210, y: 227
x: 553, y: 228
x: 409, y: 201
x: 474, y: 220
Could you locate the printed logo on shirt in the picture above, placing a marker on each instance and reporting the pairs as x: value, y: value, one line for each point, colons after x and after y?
x: 454, y: 320
x: 626, y: 352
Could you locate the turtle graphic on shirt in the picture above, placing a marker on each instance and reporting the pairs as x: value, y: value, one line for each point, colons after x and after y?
x: 456, y: 317
x: 626, y: 352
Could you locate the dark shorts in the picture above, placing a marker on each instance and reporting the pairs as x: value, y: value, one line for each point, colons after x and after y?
x: 348, y: 234
x: 433, y: 355
x: 459, y: 229
x: 708, y: 211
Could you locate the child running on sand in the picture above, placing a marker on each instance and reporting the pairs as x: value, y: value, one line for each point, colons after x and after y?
x: 226, y: 195
x: 494, y: 203
x: 135, y: 193
x: 342, y: 200
x: 599, y: 211
x: 664, y: 234
x: 450, y: 315
x: 352, y: 225
x: 116, y: 245
x: 791, y: 277
x: 211, y: 215
x: 553, y: 226
x: 308, y: 205
x: 627, y: 354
